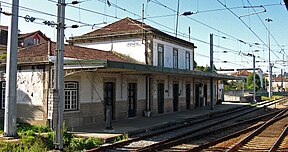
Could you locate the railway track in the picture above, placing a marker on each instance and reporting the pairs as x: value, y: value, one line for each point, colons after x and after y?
x: 158, y: 140
x: 216, y: 135
x: 265, y: 137
x: 269, y: 136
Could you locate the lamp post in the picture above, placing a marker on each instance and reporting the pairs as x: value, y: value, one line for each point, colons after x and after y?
x: 269, y: 64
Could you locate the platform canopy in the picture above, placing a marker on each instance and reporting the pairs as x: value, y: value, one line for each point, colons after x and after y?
x: 106, y: 66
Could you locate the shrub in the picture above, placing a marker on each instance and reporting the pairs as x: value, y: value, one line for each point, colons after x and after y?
x: 28, y: 137
x: 22, y: 127
x: 92, y: 143
x: 79, y: 144
x: 76, y: 144
x: 121, y: 138
x: 9, y: 147
x: 35, y: 145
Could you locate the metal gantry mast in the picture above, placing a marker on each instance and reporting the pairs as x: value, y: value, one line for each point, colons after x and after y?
x: 59, y: 73
x: 10, y: 115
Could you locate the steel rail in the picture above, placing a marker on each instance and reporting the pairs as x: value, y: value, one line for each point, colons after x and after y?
x: 256, y: 132
x: 181, y: 140
x: 185, y: 124
x: 279, y: 140
x: 233, y: 135
x: 122, y: 143
x: 177, y: 139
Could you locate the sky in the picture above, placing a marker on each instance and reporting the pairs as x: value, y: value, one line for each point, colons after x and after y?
x: 238, y: 27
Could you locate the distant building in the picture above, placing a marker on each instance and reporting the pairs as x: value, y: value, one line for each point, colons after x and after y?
x: 24, y: 40
x: 278, y: 83
x: 33, y: 38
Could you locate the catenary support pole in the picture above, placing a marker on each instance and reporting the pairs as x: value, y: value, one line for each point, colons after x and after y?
x: 11, y: 74
x: 254, y: 85
x: 212, y: 71
x: 177, y: 17
x: 60, y: 49
x: 269, y: 59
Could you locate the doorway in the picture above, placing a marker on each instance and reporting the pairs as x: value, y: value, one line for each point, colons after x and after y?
x: 132, y: 98
x: 205, y: 95
x: 188, y: 95
x: 109, y: 98
x: 197, y: 96
x: 160, y: 98
x: 175, y: 96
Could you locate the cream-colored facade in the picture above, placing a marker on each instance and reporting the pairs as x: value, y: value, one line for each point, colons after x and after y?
x: 137, y: 89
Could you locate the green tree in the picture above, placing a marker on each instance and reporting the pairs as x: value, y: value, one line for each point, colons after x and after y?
x: 206, y: 68
x: 249, y: 82
x: 233, y: 85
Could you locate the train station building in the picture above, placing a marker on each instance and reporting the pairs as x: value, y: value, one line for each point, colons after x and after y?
x: 128, y: 66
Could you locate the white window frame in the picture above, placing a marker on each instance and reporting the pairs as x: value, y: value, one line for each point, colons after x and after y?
x: 160, y: 52
x: 71, y: 96
x: 175, y: 58
x: 187, y: 60
x: 36, y: 41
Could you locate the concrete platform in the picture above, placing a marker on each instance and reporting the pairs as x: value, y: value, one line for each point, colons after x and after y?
x: 134, y: 126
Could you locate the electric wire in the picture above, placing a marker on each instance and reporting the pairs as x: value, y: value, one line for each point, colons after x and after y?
x: 247, y: 27
x: 41, y: 12
x: 138, y: 15
x: 269, y: 32
x: 219, y: 30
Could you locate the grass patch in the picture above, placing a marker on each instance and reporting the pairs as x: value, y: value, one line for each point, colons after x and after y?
x: 80, y: 144
x: 274, y: 97
x: 23, y: 127
x: 121, y: 138
x: 35, y: 138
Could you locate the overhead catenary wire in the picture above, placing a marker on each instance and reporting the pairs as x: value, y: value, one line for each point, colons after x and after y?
x: 159, y: 3
x: 206, y: 25
x: 246, y: 26
x: 44, y: 13
x: 269, y: 32
x: 182, y: 34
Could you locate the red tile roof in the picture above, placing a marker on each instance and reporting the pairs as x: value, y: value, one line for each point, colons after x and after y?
x: 25, y: 35
x: 241, y: 73
x: 125, y: 25
x: 280, y: 78
x: 41, y: 50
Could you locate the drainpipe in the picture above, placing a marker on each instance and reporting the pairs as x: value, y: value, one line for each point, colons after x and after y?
x: 146, y: 50
x: 147, y: 113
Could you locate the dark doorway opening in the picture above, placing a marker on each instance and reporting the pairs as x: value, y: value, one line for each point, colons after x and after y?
x: 197, y: 96
x: 132, y: 99
x: 109, y: 98
x: 160, y: 98
x: 188, y: 96
x: 205, y: 95
x: 175, y: 96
